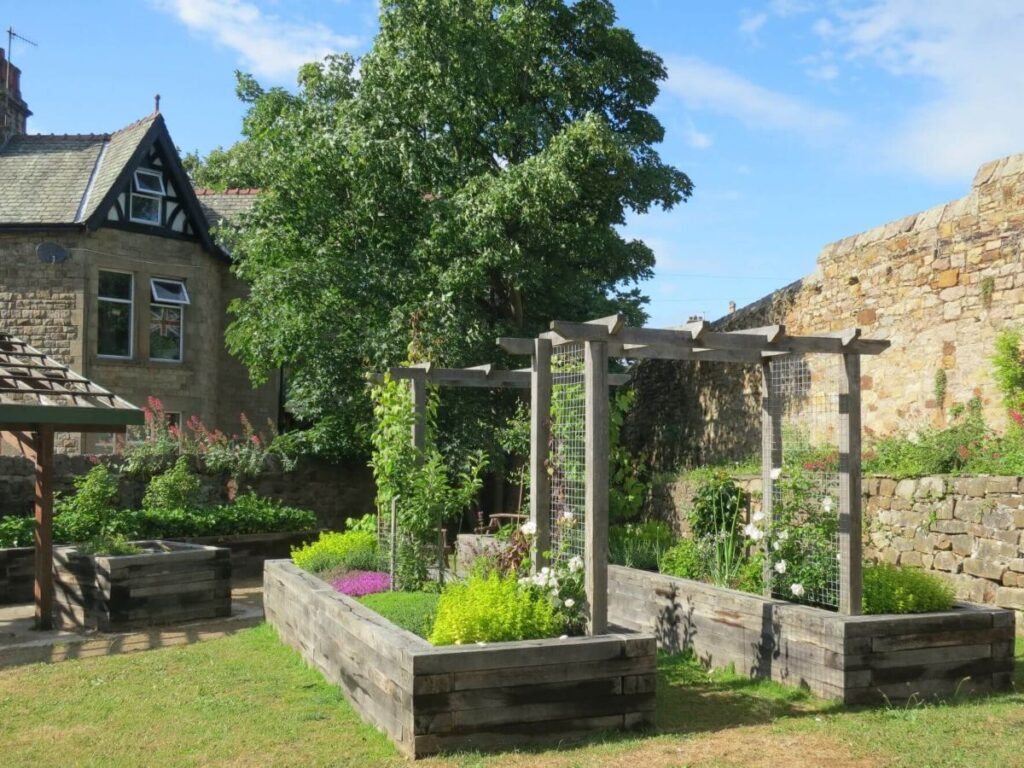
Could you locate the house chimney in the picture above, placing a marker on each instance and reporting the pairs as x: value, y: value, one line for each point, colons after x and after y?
x: 732, y: 307
x: 14, y: 112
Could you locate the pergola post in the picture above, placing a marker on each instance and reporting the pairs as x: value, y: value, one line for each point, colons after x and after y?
x: 850, y: 555
x: 43, y: 587
x: 771, y: 459
x: 540, y: 441
x: 418, y: 387
x: 596, y: 475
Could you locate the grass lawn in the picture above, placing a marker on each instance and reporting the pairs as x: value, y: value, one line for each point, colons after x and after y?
x: 249, y: 701
x: 413, y: 611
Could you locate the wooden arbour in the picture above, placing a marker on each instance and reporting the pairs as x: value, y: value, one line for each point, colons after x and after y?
x: 38, y: 398
x: 610, y: 337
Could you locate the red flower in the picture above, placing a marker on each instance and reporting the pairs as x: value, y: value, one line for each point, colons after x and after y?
x: 255, y: 440
x: 1017, y: 416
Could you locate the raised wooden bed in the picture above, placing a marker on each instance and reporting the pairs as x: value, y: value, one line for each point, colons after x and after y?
x: 248, y: 551
x: 853, y: 659
x: 494, y: 696
x: 171, y: 582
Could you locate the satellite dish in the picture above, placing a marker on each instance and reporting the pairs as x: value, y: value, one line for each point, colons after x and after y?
x: 51, y: 253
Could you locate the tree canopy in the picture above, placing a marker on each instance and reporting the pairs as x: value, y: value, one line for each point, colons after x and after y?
x: 467, y: 179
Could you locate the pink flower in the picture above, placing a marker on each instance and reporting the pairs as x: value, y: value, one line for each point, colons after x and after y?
x: 359, y: 583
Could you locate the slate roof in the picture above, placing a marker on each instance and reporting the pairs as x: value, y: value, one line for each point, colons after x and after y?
x: 227, y: 207
x: 61, y: 179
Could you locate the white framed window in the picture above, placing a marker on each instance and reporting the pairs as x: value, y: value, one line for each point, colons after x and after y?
x: 166, y: 332
x: 149, y: 182
x: 147, y: 197
x: 114, y: 333
x: 166, y: 291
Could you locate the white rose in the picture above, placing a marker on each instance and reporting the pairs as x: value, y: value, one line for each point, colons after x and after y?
x: 529, y: 528
x: 545, y: 570
x: 780, y: 567
x: 569, y: 602
x: 749, y: 530
x: 797, y: 590
x: 827, y: 503
x: 568, y: 517
x: 783, y: 535
x: 776, y: 546
x: 758, y: 516
x: 576, y: 564
x: 776, y: 473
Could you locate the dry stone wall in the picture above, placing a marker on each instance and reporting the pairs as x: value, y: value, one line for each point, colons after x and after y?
x: 969, y: 530
x: 940, y: 285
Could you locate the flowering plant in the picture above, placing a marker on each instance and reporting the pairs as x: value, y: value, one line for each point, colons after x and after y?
x: 359, y: 583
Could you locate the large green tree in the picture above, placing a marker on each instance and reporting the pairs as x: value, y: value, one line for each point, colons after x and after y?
x: 468, y: 181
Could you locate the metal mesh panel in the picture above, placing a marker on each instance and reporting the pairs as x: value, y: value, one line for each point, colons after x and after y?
x: 567, y: 452
x: 803, y: 533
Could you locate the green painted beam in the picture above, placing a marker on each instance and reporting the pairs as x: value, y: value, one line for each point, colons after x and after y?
x: 67, y: 416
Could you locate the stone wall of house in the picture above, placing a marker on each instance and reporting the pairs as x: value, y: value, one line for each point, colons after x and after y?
x: 969, y: 530
x: 54, y: 307
x: 940, y: 285
x: 335, y: 492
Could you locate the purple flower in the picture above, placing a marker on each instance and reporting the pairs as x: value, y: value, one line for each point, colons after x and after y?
x: 359, y: 583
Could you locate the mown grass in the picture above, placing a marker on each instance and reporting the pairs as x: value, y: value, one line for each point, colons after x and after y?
x: 414, y: 611
x: 248, y: 700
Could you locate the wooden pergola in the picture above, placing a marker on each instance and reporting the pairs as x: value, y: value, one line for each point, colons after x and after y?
x: 609, y: 338
x: 38, y: 398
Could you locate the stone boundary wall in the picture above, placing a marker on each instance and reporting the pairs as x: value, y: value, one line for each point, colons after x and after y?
x: 940, y: 285
x: 970, y: 530
x: 455, y: 698
x: 852, y: 659
x: 335, y: 492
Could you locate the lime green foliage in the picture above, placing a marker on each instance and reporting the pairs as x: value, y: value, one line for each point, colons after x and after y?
x: 639, y: 545
x: 1008, y: 368
x: 367, y: 523
x: 352, y: 550
x: 492, y: 609
x: 177, y: 488
x: 628, y: 481
x: 684, y: 560
x: 414, y: 611
x: 17, y: 531
x: 718, y: 505
x: 888, y: 589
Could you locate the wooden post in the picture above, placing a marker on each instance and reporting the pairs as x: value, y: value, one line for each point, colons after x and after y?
x: 540, y: 442
x: 771, y: 460
x: 418, y: 386
x: 43, y: 588
x: 850, y: 555
x: 596, y: 546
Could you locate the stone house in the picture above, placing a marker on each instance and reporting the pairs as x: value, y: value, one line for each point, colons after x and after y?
x: 108, y: 264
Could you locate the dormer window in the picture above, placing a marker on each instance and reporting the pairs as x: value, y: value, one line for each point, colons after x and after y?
x: 147, y: 197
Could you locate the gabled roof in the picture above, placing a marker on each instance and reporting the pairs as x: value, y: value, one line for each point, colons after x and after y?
x: 72, y: 179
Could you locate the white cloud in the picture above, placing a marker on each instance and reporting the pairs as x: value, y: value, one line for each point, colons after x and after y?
x: 751, y: 24
x: 702, y: 85
x: 695, y: 138
x: 267, y: 45
x: 971, y: 60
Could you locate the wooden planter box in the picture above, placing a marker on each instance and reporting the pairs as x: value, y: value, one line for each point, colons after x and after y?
x: 173, y: 582
x: 248, y: 551
x: 853, y: 659
x: 494, y: 696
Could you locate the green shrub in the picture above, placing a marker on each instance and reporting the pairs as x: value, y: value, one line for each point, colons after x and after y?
x: 354, y: 550
x: 888, y: 589
x: 639, y: 545
x: 718, y: 503
x: 177, y: 488
x: 414, y: 611
x: 683, y: 560
x: 92, y: 509
x: 492, y: 609
x: 17, y: 531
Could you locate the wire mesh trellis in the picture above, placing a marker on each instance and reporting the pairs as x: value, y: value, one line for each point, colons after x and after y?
x: 567, y: 457
x: 802, y: 545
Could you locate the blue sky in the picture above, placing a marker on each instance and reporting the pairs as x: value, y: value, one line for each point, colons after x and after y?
x: 800, y: 122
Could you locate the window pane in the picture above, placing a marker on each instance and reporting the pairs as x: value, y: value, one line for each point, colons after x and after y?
x: 115, y: 285
x: 149, y: 182
x: 146, y: 209
x: 169, y: 291
x: 164, y: 333
x: 115, y: 329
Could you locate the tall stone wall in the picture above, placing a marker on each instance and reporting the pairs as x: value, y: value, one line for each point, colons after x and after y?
x: 940, y: 285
